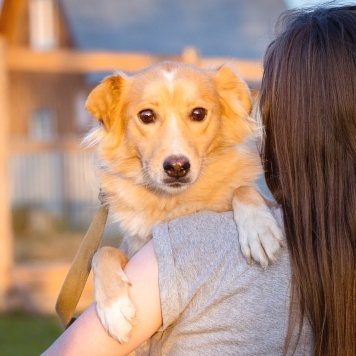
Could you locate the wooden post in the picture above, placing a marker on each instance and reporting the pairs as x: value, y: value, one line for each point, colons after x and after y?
x: 6, y: 253
x: 190, y: 55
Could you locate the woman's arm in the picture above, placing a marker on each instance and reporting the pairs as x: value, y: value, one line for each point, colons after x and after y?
x: 87, y: 336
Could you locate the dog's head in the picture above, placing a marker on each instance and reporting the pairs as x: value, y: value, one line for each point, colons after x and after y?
x: 159, y: 125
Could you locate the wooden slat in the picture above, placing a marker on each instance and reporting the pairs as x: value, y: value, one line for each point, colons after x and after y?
x: 68, y: 61
x: 250, y: 70
x: 35, y: 147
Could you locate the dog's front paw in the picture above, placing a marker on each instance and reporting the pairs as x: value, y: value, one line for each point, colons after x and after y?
x: 117, y: 317
x: 259, y: 233
x: 113, y: 304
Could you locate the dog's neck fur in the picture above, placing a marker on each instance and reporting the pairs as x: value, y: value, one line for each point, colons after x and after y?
x: 137, y: 208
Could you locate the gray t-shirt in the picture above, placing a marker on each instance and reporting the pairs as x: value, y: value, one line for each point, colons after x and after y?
x: 213, y: 302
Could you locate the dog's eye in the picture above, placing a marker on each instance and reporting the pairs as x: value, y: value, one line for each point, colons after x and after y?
x: 199, y: 114
x: 147, y: 116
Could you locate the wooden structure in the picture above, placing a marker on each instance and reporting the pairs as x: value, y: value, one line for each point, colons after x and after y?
x: 37, y: 92
x: 30, y: 79
x: 6, y: 260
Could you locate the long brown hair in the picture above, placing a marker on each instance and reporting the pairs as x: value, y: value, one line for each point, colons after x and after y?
x: 308, y: 109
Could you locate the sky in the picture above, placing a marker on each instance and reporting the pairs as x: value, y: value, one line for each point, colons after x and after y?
x: 298, y: 3
x: 305, y: 3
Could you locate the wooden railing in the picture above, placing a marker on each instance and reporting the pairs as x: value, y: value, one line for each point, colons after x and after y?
x: 70, y: 61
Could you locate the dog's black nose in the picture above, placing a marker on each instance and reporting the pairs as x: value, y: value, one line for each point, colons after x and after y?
x: 176, y: 166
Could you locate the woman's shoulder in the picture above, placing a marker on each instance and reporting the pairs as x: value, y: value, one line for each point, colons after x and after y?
x: 208, y: 242
x: 207, y: 228
x: 203, y: 272
x: 197, y: 238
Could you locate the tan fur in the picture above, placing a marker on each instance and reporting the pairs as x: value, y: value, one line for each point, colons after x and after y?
x: 132, y: 152
x: 249, y: 196
x: 102, y: 262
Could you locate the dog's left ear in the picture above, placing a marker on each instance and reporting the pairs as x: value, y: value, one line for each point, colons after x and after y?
x: 236, y: 103
x: 233, y: 89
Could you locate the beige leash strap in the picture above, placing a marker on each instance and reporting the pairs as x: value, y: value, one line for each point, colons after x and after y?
x: 78, y: 273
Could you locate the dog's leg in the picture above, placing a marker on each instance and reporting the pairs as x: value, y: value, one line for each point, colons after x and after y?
x: 259, y: 233
x: 113, y: 305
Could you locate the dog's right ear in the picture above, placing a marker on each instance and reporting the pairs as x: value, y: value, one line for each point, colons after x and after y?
x: 104, y: 98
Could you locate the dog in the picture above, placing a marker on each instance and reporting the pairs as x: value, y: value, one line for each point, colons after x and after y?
x: 173, y: 139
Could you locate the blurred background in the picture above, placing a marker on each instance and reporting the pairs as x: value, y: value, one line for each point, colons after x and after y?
x: 52, y: 53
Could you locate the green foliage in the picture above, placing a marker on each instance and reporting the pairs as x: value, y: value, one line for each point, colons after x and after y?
x: 27, y: 335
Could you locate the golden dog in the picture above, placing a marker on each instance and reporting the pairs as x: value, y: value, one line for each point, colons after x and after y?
x: 173, y: 140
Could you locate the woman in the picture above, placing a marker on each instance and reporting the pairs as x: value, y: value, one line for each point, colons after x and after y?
x: 308, y: 108
x: 200, y: 292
